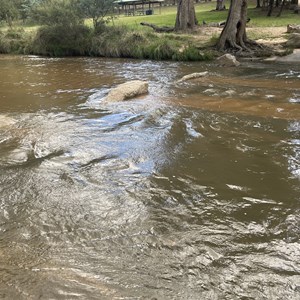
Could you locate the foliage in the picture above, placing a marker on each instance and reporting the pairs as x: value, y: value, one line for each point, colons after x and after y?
x: 62, y: 40
x: 14, y: 41
x: 57, y: 12
x: 25, y: 8
x: 98, y: 10
x: 8, y: 11
x: 65, y: 34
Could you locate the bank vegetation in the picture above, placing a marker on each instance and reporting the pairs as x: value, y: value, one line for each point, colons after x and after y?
x: 92, y: 28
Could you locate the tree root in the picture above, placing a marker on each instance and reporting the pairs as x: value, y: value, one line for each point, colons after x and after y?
x: 247, y: 48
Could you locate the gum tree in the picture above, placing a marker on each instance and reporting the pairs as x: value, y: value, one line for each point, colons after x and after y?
x: 8, y: 11
x: 234, y: 33
x: 56, y: 12
x: 97, y: 10
x: 186, y: 16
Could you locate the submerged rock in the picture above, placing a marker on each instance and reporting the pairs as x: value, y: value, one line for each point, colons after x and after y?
x: 6, y: 121
x: 210, y: 91
x: 229, y: 93
x: 228, y: 60
x: 127, y: 90
x: 18, y: 156
x: 193, y: 76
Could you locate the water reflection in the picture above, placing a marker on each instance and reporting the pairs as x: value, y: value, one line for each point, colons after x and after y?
x: 176, y: 195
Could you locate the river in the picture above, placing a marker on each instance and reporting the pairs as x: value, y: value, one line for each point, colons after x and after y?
x: 190, y: 192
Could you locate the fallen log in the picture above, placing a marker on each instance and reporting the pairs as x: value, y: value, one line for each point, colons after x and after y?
x: 158, y: 28
x: 192, y: 76
x: 219, y: 24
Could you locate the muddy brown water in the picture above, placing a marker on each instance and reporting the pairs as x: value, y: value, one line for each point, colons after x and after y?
x: 191, y: 192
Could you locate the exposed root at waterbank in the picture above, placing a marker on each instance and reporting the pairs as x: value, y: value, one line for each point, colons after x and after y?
x: 262, y: 41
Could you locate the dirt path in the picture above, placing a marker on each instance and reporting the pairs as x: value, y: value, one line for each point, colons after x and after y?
x: 264, y: 35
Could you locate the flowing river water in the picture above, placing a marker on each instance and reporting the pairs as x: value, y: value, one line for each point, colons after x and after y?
x: 190, y: 192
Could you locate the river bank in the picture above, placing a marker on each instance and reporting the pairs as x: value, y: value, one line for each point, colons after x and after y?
x: 124, y: 42
x: 110, y: 41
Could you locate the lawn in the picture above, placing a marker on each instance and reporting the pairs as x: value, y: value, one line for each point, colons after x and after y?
x: 125, y: 37
x: 205, y: 12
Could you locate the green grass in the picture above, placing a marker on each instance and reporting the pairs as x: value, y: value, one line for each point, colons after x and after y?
x: 119, y: 41
x: 205, y: 12
x: 125, y: 37
x: 259, y: 18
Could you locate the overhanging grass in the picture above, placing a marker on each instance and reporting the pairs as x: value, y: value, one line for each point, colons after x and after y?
x: 121, y: 41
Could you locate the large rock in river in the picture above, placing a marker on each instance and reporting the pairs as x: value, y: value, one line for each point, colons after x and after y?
x: 294, y: 40
x: 228, y: 60
x: 127, y: 90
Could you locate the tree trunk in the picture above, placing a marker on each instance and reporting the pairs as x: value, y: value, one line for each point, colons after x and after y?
x: 270, y: 9
x: 186, y: 16
x: 258, y: 5
x: 220, y: 5
x: 234, y: 32
x: 281, y: 8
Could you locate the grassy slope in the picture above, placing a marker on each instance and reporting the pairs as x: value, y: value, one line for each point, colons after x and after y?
x: 140, y: 41
x: 204, y: 11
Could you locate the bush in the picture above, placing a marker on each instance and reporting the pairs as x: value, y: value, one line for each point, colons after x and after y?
x: 4, y: 44
x: 14, y: 41
x: 56, y: 12
x: 62, y: 40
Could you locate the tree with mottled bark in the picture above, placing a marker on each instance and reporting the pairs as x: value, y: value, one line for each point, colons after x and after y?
x: 234, y: 33
x: 186, y: 16
x: 220, y: 5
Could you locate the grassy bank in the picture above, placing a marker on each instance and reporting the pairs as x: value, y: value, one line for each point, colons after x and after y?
x: 125, y: 37
x: 115, y: 41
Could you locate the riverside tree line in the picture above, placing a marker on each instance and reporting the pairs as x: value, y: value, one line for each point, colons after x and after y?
x: 66, y: 34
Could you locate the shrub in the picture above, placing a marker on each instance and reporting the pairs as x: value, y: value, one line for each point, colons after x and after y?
x: 14, y: 41
x: 62, y: 40
x: 4, y: 44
